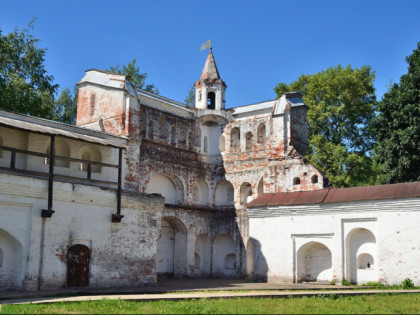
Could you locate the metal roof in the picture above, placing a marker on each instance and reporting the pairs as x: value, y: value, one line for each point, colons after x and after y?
x: 45, y: 126
x: 335, y: 195
x: 254, y: 107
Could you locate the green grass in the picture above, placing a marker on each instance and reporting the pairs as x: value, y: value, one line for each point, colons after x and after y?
x: 366, y: 304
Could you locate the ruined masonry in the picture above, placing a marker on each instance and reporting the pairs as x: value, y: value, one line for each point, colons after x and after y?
x: 145, y: 188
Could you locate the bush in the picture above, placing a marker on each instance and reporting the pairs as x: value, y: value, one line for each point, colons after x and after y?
x: 345, y: 282
x: 407, y: 283
x: 374, y: 284
x: 332, y: 282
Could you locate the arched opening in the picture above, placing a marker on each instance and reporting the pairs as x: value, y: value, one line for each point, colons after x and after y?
x: 261, y: 133
x: 182, y: 132
x: 61, y: 149
x: 169, y: 186
x: 296, y: 181
x: 150, y: 130
x: 201, y: 193
x: 360, y: 250
x: 222, y: 144
x: 235, y: 138
x: 78, y: 260
x: 205, y: 146
x: 246, y: 193
x: 198, y: 137
x: 261, y: 186
x: 224, y: 195
x: 171, y: 252
x: 250, y: 260
x: 10, y: 261
x: 365, y: 261
x: 88, y: 153
x: 248, y: 140
x: 224, y: 257
x: 314, y: 179
x: 314, y: 263
x: 202, y: 256
x: 211, y: 100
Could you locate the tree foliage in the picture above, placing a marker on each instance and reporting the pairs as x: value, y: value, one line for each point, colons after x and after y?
x: 341, y: 107
x: 398, y: 127
x: 65, y: 106
x: 190, y: 99
x: 137, y: 78
x: 25, y: 86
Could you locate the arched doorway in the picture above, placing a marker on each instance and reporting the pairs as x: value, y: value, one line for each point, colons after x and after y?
x: 314, y: 263
x: 171, y: 251
x: 78, y: 266
x: 361, y: 256
x: 10, y: 261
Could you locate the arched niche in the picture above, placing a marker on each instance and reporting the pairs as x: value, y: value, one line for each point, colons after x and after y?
x: 201, y: 193
x: 224, y: 256
x: 261, y: 186
x: 169, y: 186
x: 222, y: 144
x: 296, y: 181
x: 205, y: 145
x: 198, y: 137
x: 248, y: 141
x: 11, y: 262
x: 224, y: 194
x: 202, y: 255
x: 246, y: 193
x: 171, y: 255
x: 360, y: 248
x: 61, y: 149
x: 90, y: 153
x: 261, y: 134
x: 314, y: 263
x: 235, y: 138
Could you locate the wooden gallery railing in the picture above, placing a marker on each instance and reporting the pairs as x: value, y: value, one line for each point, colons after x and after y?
x: 51, y: 176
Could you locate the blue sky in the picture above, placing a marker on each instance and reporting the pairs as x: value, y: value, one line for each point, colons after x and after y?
x: 256, y: 44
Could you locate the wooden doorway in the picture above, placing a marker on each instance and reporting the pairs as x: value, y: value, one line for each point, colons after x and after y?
x: 78, y: 266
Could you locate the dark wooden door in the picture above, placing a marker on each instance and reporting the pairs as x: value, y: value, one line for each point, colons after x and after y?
x: 78, y: 266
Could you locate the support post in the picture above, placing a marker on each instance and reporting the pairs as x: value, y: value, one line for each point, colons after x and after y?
x: 49, y: 212
x: 117, y: 217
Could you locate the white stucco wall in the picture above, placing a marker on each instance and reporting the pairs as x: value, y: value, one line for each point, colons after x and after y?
x: 279, y: 232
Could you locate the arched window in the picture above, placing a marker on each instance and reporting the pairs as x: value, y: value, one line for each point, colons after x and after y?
x: 182, y: 134
x: 246, y: 193
x: 314, y: 179
x: 61, y: 149
x: 261, y: 133
x: 198, y: 137
x: 211, y: 100
x: 222, y: 144
x: 92, y: 104
x: 205, y: 146
x: 296, y: 181
x: 235, y: 137
x: 150, y: 133
x: 248, y: 140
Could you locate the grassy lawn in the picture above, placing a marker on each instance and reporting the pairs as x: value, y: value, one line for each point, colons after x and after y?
x: 366, y: 304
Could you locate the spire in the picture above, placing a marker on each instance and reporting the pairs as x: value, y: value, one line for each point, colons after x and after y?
x: 210, y: 69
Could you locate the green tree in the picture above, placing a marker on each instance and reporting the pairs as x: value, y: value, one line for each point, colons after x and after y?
x: 190, y: 99
x: 137, y: 78
x: 341, y: 107
x: 25, y: 86
x: 65, y: 106
x: 398, y: 127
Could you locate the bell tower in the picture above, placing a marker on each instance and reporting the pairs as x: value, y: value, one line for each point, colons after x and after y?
x: 210, y: 89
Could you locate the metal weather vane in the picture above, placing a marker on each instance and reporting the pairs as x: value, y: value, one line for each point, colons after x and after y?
x: 206, y: 45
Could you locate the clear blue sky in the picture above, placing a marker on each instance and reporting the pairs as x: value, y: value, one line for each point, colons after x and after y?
x: 256, y: 44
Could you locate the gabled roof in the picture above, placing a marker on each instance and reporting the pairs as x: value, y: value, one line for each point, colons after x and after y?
x: 335, y: 195
x: 210, y: 69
